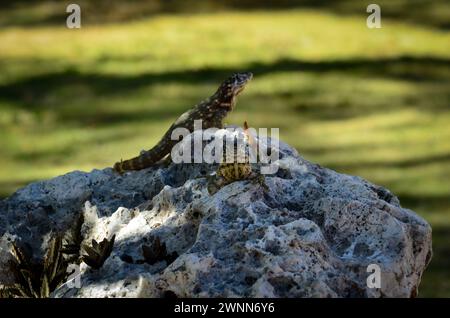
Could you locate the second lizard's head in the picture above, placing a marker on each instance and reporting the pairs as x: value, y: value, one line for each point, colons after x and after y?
x: 231, y: 88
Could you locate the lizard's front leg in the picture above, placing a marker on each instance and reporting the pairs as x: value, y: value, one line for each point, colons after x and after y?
x: 259, y: 179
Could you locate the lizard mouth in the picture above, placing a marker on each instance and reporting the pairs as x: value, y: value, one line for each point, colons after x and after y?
x: 236, y: 91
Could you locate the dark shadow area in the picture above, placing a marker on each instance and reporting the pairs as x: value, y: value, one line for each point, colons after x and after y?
x: 407, y: 163
x: 7, y: 188
x: 416, y: 202
x: 435, y: 13
x: 441, y: 236
x: 346, y: 109
x: 435, y: 279
x: 59, y: 155
x: 32, y: 93
x: 108, y: 118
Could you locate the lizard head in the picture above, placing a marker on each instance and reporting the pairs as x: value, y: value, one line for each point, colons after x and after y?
x: 231, y: 88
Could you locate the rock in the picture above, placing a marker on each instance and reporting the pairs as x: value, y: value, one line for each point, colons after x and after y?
x: 312, y: 233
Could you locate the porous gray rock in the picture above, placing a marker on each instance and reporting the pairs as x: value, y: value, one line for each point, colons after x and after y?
x: 312, y: 232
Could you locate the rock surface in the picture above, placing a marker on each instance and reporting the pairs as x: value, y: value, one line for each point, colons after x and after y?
x: 312, y: 233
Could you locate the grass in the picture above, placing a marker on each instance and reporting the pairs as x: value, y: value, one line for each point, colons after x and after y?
x: 374, y: 103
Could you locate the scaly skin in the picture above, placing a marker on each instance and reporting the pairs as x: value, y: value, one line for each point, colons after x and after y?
x: 239, y: 169
x: 212, y: 111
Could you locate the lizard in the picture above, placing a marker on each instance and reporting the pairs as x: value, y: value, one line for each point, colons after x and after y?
x: 239, y: 168
x: 211, y: 111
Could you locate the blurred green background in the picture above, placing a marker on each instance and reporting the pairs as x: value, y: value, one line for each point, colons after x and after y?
x: 368, y: 102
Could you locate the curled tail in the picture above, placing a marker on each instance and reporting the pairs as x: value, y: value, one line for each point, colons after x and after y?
x: 145, y: 159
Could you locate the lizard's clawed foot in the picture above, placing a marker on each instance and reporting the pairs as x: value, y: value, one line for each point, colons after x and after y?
x: 166, y: 161
x: 215, y: 184
x: 212, y: 188
x: 118, y: 167
x: 260, y: 179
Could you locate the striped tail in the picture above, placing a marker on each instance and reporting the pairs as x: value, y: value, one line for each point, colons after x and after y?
x: 145, y: 159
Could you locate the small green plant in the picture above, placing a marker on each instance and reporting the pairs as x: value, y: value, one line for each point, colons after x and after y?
x: 72, y: 241
x: 156, y: 252
x: 36, y: 279
x: 98, y: 252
